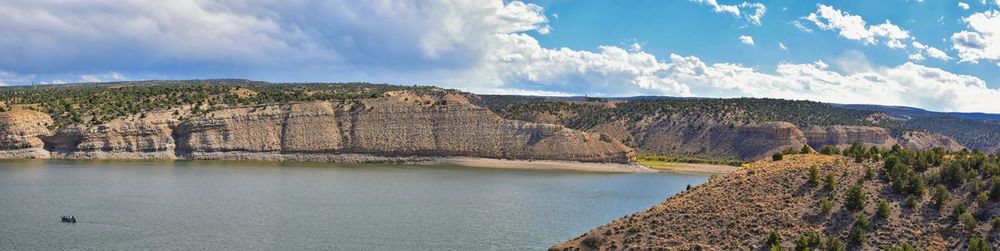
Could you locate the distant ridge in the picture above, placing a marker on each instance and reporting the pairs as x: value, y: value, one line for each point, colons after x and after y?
x: 917, y: 112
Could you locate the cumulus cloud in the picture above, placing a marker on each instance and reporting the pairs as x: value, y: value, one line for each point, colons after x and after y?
x: 187, y: 35
x: 524, y: 65
x: 106, y: 77
x: 982, y: 40
x: 932, y: 52
x: 9, y: 78
x: 475, y: 45
x: 753, y: 12
x: 963, y: 5
x: 855, y: 28
x: 745, y: 39
x: 782, y: 47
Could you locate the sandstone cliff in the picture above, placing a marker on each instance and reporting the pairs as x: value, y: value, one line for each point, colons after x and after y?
x: 707, y: 137
x: 401, y: 126
x: 20, y: 132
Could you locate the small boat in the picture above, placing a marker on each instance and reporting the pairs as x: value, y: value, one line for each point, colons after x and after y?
x: 70, y: 219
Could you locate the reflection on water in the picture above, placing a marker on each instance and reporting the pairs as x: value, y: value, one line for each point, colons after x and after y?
x: 293, y: 205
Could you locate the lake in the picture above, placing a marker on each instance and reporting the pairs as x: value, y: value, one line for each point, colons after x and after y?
x: 185, y: 205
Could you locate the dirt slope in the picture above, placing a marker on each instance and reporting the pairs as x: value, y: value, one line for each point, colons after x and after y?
x: 739, y: 211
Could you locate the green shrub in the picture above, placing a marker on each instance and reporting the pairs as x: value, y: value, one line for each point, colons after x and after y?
x: 976, y: 185
x: 902, y: 246
x: 883, y: 210
x: 940, y: 195
x: 829, y: 150
x: 869, y: 173
x: 855, y: 198
x: 995, y: 192
x: 911, y: 202
x: 826, y: 205
x: 917, y: 185
x: 953, y: 174
x: 808, y: 242
x: 830, y: 183
x: 833, y: 244
x: 806, y: 149
x: 777, y: 157
x: 813, y: 175
x: 978, y: 244
x: 958, y: 211
x: 859, y: 229
x: 774, y: 241
x: 969, y: 222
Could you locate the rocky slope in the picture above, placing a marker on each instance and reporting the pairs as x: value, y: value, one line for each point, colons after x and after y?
x: 727, y: 137
x: 702, y: 136
x: 739, y: 211
x: 20, y: 132
x: 400, y: 126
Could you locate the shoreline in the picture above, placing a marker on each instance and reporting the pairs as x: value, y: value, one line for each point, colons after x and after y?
x: 346, y: 158
x: 551, y: 165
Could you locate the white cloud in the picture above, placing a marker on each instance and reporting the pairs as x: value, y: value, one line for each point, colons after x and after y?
x: 745, y: 39
x: 855, y: 28
x: 758, y: 11
x: 801, y: 27
x: 524, y: 65
x: 106, y: 77
x: 963, y: 5
x: 473, y: 45
x: 184, y: 36
x: 782, y: 47
x: 635, y: 46
x: 753, y: 12
x: 10, y: 78
x: 922, y: 49
x: 982, y: 41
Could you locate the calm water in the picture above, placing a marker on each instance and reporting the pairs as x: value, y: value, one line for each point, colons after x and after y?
x: 238, y: 205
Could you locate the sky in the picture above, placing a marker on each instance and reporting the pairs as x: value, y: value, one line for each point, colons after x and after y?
x: 933, y: 54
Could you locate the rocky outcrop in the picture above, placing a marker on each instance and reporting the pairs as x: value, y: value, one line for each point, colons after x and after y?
x: 398, y: 127
x: 394, y: 126
x: 703, y: 137
x: 141, y: 139
x: 925, y: 140
x: 694, y: 135
x: 843, y: 136
x: 21, y: 131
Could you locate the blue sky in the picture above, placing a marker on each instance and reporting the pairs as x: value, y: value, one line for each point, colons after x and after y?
x: 932, y: 54
x: 687, y: 28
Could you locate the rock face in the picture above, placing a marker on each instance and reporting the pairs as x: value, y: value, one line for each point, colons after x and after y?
x: 20, y: 134
x: 398, y: 127
x: 704, y: 137
x: 923, y: 140
x: 698, y: 136
x: 843, y: 136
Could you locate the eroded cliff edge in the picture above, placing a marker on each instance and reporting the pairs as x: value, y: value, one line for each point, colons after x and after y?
x: 397, y: 127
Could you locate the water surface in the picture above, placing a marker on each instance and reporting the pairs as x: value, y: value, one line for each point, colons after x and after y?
x: 248, y: 205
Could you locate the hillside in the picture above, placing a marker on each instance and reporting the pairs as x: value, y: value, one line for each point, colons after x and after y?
x: 239, y: 120
x: 952, y: 204
x: 152, y: 117
x: 742, y: 129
